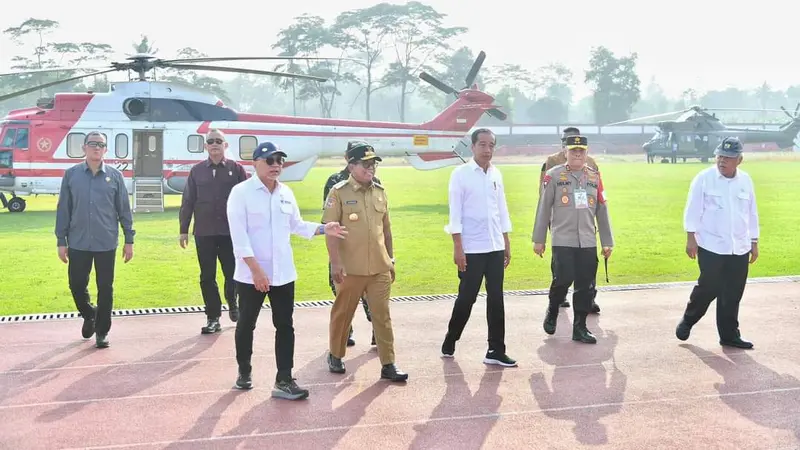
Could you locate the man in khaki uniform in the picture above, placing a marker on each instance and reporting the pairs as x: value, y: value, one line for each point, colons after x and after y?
x: 362, y: 263
x: 556, y: 159
x: 571, y: 202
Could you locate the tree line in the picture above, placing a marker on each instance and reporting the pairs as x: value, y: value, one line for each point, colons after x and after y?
x: 392, y: 45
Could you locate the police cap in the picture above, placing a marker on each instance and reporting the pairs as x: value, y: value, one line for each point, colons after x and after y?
x: 730, y: 147
x: 362, y: 151
x: 576, y: 142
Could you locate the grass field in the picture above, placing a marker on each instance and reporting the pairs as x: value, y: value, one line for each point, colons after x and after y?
x: 646, y: 204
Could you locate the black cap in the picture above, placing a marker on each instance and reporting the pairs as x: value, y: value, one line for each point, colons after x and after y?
x: 576, y: 142
x: 730, y: 147
x: 265, y: 150
x: 361, y: 151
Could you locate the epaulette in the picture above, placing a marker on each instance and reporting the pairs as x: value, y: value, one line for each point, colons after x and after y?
x: 589, y: 168
x: 339, y: 185
x: 377, y: 185
x: 555, y: 169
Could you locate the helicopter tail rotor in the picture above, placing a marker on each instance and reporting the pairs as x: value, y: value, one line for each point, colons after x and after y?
x: 469, y: 82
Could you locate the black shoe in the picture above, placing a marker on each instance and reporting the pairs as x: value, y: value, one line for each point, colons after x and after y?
x: 335, y: 365
x: 448, y: 347
x: 565, y: 304
x: 392, y: 373
x: 88, y: 327
x: 492, y: 357
x: 289, y: 390
x: 683, y: 330
x: 550, y: 320
x: 244, y: 382
x: 350, y: 341
x: 211, y: 327
x: 233, y: 311
x: 101, y: 341
x: 736, y: 342
x: 580, y: 332
x: 595, y: 308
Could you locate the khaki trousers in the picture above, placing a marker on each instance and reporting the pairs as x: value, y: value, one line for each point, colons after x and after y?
x: 378, y: 289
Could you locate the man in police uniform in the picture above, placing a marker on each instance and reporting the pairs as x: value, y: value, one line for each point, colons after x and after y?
x: 337, y: 177
x: 364, y: 261
x: 553, y: 160
x: 571, y: 201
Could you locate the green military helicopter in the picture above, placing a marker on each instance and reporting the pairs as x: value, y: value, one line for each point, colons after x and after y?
x: 695, y: 133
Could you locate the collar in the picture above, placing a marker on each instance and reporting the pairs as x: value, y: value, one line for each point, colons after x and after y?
x: 356, y: 185
x: 222, y: 162
x: 101, y: 168
x: 259, y: 185
x: 723, y: 177
x: 474, y: 165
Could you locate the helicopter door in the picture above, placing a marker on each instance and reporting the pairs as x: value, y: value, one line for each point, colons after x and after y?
x: 13, y: 146
x: 148, y: 154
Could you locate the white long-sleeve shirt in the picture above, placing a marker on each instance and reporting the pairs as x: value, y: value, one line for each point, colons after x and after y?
x: 722, y: 212
x: 478, y: 208
x: 261, y: 224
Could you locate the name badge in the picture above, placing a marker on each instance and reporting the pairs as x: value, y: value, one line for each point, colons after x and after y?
x: 581, y: 200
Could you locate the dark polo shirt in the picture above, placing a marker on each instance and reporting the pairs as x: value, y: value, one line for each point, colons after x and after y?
x: 206, y: 197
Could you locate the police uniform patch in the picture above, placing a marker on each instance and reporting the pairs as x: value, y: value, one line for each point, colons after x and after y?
x: 591, y: 201
x: 546, y: 180
x: 351, y: 202
x: 353, y: 217
x: 329, y: 203
x: 564, y: 199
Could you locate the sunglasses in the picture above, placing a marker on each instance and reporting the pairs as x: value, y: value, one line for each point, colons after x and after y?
x: 96, y: 144
x: 214, y: 141
x: 272, y: 160
x: 369, y: 164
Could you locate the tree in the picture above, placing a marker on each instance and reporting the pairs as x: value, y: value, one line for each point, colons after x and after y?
x: 615, y: 85
x: 417, y: 36
x: 366, y: 32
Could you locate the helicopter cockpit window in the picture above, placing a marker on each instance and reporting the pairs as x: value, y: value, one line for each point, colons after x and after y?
x: 6, y: 159
x: 8, y: 139
x: 21, y: 141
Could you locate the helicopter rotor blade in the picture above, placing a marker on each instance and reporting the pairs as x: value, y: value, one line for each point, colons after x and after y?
x: 248, y: 58
x: 497, y: 114
x: 797, y: 109
x: 473, y: 71
x: 437, y: 84
x: 52, y: 83
x: 654, y: 116
x: 238, y: 70
x: 53, y: 69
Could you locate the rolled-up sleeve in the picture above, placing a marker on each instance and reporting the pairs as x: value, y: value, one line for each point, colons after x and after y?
x: 455, y: 201
x: 693, y: 213
x: 237, y: 223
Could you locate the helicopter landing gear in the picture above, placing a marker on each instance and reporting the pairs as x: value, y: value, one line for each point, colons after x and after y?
x: 16, y: 204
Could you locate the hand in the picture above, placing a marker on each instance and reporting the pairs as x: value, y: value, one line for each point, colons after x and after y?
x: 127, y: 252
x: 391, y: 271
x: 337, y: 273
x: 507, y: 257
x: 335, y: 229
x: 62, y: 254
x: 261, y: 281
x: 538, y: 249
x: 183, y: 240
x: 691, y: 247
x: 607, y: 252
x: 460, y: 259
x: 753, y: 252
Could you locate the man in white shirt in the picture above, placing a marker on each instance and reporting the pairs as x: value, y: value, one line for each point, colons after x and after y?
x: 722, y: 230
x: 479, y: 225
x: 262, y: 213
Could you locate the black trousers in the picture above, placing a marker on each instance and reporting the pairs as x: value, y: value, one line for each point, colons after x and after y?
x: 592, y: 286
x: 363, y: 299
x: 722, y: 277
x: 573, y: 265
x: 281, y: 300
x: 480, y: 266
x: 79, y: 268
x: 209, y: 249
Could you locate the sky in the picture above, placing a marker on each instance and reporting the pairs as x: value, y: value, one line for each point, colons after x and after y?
x: 682, y: 44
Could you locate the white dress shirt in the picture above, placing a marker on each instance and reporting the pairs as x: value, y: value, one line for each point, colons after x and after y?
x: 478, y: 209
x: 261, y: 224
x: 722, y: 212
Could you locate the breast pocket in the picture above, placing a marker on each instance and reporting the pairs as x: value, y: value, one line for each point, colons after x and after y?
x: 713, y: 201
x: 287, y: 209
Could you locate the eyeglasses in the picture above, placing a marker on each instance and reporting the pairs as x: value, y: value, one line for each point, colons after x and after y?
x: 369, y: 164
x: 96, y: 144
x: 273, y: 160
x: 214, y: 141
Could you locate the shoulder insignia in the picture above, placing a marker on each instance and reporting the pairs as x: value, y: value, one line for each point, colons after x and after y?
x: 555, y: 170
x: 546, y: 180
x: 378, y: 185
x: 339, y: 185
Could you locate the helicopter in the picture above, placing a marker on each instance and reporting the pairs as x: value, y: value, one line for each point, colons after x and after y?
x: 695, y: 133
x: 156, y: 131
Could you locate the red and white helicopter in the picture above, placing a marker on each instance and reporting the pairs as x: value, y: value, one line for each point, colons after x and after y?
x: 155, y: 131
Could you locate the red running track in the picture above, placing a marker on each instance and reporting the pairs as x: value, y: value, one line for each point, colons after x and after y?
x: 163, y: 385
